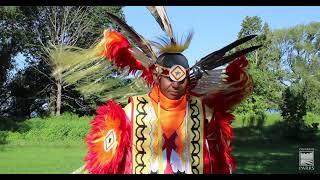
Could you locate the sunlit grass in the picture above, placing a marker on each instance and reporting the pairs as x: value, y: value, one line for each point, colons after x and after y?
x: 41, y: 158
x: 61, y: 148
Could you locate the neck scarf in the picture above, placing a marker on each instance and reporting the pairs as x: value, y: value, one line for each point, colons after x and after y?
x: 172, y: 112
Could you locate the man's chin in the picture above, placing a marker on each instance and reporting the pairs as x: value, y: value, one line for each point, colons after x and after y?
x: 174, y: 96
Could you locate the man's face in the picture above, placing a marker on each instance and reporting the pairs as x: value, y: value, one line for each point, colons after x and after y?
x: 172, y: 89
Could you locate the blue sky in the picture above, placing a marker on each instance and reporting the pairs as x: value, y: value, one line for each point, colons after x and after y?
x: 216, y: 26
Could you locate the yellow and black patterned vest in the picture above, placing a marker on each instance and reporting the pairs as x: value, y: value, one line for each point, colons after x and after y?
x: 147, y: 153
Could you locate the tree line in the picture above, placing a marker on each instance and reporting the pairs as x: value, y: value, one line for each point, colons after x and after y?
x: 287, y: 64
x: 30, y: 32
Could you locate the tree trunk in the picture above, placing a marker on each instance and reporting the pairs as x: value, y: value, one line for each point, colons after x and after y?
x: 58, y: 102
x: 52, y: 103
x: 256, y: 53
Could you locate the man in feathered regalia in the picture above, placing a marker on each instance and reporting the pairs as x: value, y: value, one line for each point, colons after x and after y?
x: 183, y: 124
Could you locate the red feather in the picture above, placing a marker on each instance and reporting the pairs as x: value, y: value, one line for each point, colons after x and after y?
x: 117, y: 160
x: 117, y: 51
x: 219, y: 132
x: 243, y: 86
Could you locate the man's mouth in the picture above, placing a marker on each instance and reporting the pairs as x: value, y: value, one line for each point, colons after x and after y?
x: 174, y: 92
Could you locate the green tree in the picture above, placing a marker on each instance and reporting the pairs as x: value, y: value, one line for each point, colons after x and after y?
x: 94, y: 78
x: 67, y: 26
x: 15, y: 34
x: 264, y: 69
x: 299, y: 57
x: 293, y: 109
x: 39, y: 28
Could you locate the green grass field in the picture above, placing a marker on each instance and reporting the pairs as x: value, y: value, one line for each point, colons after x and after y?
x: 266, y: 152
x: 271, y: 156
x: 56, y: 146
x: 41, y: 158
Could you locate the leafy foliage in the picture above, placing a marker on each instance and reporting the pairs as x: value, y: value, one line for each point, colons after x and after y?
x: 263, y: 69
x: 32, y: 29
x: 252, y: 112
x: 67, y: 127
x: 300, y: 60
x: 293, y: 109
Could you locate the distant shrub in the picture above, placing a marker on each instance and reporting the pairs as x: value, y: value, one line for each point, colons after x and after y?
x: 67, y: 127
x: 252, y: 112
x: 251, y: 119
x: 311, y: 118
x: 273, y: 118
x: 293, y: 110
x: 9, y: 125
x: 3, y: 137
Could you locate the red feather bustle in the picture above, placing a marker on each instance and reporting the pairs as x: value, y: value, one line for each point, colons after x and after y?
x: 218, y: 131
x: 219, y: 134
x: 117, y: 160
x: 241, y: 86
x: 117, y: 51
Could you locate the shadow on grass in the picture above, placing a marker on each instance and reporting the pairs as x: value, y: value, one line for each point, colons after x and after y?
x: 266, y: 152
x: 266, y: 163
x: 10, y: 125
x: 3, y: 137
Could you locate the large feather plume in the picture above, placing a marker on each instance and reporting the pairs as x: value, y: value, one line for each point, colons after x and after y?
x: 160, y: 14
x: 166, y: 46
x: 239, y: 84
x: 118, y: 51
x: 169, y: 43
x: 118, y: 159
x: 138, y: 39
x: 219, y: 133
x: 93, y: 75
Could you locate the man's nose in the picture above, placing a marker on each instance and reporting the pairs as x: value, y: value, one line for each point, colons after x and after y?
x: 175, y: 84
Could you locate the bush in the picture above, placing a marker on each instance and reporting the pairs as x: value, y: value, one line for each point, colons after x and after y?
x: 252, y: 119
x: 252, y: 112
x: 67, y: 127
x: 311, y: 118
x: 3, y: 137
x: 10, y: 125
x: 293, y: 110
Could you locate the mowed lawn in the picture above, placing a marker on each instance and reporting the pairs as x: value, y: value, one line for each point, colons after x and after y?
x: 253, y: 157
x: 267, y: 152
x: 255, y: 153
x: 260, y: 156
x: 41, y: 158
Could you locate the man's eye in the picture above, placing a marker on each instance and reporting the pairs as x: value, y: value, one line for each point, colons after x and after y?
x: 181, y: 82
x: 168, y: 78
